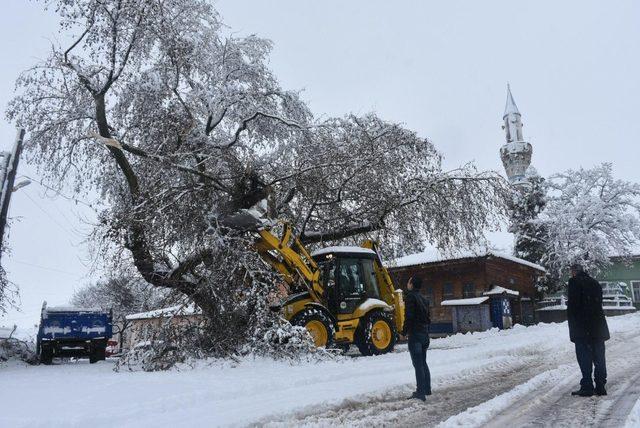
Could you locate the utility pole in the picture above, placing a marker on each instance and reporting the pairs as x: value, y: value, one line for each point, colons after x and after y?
x: 8, y: 169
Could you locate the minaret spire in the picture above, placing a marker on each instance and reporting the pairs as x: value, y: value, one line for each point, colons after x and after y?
x: 510, y: 106
x: 516, y: 153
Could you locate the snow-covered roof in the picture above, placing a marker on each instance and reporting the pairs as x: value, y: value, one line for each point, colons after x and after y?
x: 510, y: 105
x: 179, y: 310
x: 342, y: 249
x: 71, y: 309
x: 435, y: 256
x: 500, y: 290
x: 464, y: 302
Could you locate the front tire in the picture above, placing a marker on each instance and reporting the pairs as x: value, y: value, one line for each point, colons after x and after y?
x: 376, y: 334
x: 319, y: 325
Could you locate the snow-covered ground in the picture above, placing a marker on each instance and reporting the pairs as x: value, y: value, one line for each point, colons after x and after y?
x: 492, y: 378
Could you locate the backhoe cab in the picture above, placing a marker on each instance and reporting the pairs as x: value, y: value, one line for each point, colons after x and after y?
x: 347, y: 295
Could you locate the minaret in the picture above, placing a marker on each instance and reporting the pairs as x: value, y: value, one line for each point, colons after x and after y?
x: 516, y: 153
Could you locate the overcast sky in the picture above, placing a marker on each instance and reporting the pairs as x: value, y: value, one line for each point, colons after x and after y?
x: 441, y: 68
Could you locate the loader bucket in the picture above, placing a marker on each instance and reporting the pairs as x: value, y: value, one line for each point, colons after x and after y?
x: 242, y: 220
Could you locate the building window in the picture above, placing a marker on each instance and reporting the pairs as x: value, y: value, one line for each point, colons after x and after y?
x: 635, y: 290
x: 447, y: 291
x: 428, y: 293
x: 469, y: 291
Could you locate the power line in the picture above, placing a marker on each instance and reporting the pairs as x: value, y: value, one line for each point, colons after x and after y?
x: 64, y: 229
x: 44, y: 267
x: 59, y: 193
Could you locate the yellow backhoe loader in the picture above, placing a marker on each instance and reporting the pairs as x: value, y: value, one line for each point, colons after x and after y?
x: 347, y: 297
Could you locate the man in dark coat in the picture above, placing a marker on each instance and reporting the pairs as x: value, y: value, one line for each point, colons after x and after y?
x: 416, y: 326
x: 588, y: 330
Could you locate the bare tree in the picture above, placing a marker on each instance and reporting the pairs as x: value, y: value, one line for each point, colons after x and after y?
x: 8, y: 292
x: 121, y: 294
x: 177, y: 124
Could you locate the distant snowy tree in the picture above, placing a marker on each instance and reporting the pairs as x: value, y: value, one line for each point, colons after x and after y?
x: 589, y: 216
x: 177, y: 123
x: 122, y: 294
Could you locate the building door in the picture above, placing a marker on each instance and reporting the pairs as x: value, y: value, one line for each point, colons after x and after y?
x: 635, y: 290
x: 501, y: 313
x: 528, y: 313
x: 496, y: 313
x: 469, y: 318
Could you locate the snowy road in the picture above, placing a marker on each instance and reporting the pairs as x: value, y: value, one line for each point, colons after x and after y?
x: 519, y: 377
x: 532, y: 390
x: 544, y: 400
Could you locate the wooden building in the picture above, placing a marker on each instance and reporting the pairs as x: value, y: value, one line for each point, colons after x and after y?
x: 145, y: 326
x: 473, y: 292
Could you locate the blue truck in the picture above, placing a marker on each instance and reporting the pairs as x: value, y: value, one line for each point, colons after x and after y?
x: 73, y: 332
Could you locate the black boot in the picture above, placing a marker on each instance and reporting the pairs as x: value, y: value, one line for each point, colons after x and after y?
x: 582, y: 392
x: 417, y: 396
x: 600, y: 390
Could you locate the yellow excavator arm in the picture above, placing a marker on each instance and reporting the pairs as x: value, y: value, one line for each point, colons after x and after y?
x: 289, y: 257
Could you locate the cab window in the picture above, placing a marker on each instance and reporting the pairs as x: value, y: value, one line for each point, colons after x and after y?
x: 371, y: 283
x: 350, y: 277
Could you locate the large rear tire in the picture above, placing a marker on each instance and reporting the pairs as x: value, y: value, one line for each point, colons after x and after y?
x: 97, y: 354
x: 319, y: 325
x: 46, y: 356
x: 376, y: 334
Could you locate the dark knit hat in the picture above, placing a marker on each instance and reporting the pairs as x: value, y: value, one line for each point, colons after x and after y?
x: 416, y: 281
x: 577, y: 267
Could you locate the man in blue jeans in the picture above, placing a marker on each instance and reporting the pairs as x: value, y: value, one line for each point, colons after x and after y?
x: 416, y: 326
x: 588, y: 330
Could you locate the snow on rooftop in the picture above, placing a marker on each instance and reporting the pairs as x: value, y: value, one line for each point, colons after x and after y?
x: 464, y: 302
x: 342, y: 249
x: 500, y: 290
x: 178, y: 310
x: 434, y: 256
x: 71, y: 309
x: 517, y: 260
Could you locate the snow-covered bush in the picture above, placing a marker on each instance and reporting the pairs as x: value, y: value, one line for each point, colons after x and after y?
x: 12, y: 348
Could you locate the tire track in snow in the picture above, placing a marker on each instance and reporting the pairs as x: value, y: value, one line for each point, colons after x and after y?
x: 391, y: 408
x: 623, y: 401
x: 545, y: 400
